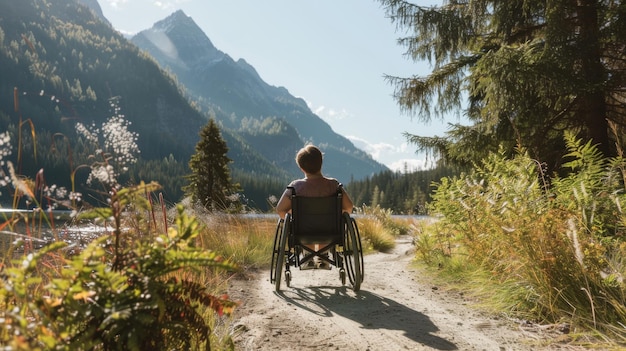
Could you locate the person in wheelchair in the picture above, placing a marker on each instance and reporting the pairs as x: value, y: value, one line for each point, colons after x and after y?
x: 314, y: 184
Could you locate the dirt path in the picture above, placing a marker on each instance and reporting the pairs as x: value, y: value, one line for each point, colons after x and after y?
x: 393, y: 311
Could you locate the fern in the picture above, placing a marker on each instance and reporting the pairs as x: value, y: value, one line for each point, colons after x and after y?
x: 592, y: 187
x: 586, y: 163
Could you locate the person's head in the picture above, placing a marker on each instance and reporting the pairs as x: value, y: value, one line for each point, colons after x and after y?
x: 309, y: 159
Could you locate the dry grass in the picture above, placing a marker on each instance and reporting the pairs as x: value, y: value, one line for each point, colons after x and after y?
x: 374, y: 235
x: 247, y: 241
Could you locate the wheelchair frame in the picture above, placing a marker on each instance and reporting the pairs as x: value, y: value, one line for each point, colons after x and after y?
x: 317, y: 220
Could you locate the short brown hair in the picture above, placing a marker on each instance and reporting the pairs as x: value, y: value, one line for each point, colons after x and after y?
x: 309, y: 158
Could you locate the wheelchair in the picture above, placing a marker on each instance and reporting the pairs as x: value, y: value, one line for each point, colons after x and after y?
x: 321, y: 223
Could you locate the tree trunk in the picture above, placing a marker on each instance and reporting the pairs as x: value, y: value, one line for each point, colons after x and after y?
x: 592, y: 109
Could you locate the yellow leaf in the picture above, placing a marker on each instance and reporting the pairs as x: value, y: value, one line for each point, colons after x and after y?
x: 84, y: 295
x: 53, y: 302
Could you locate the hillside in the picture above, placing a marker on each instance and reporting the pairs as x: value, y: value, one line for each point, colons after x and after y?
x: 66, y: 65
x: 63, y: 51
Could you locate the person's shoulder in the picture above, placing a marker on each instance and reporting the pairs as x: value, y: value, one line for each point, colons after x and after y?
x: 296, y: 182
x: 330, y: 179
x: 333, y: 181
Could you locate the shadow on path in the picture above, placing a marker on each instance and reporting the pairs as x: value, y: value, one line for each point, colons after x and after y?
x: 370, y: 310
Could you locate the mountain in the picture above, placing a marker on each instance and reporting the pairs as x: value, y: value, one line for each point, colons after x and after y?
x: 269, y: 118
x: 60, y: 49
x: 62, y: 63
x: 95, y: 7
x: 67, y: 66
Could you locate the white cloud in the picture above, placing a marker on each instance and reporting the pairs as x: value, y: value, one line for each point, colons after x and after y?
x: 397, y: 158
x: 376, y: 150
x: 404, y: 147
x: 409, y: 164
x: 329, y: 114
x: 116, y: 3
x: 164, y: 5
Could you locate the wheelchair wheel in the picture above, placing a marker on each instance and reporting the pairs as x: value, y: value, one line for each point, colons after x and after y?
x: 359, y: 247
x: 279, y: 230
x: 281, y: 260
x: 353, y: 255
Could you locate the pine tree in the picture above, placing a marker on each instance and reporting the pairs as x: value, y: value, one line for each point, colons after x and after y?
x: 529, y: 69
x: 210, y: 183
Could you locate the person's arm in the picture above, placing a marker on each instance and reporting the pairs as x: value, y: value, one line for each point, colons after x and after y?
x: 346, y: 202
x: 284, y: 204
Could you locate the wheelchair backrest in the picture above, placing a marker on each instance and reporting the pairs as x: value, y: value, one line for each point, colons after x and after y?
x: 317, y: 219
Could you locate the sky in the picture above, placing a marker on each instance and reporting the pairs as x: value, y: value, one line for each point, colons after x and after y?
x: 333, y: 54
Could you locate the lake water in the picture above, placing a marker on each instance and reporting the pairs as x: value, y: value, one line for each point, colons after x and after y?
x: 60, y: 226
x: 35, y: 231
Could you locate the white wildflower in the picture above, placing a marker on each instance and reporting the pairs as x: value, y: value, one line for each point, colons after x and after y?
x: 118, y: 151
x: 119, y: 141
x: 61, y: 192
x: 75, y: 196
x: 5, y: 147
x: 4, y: 179
x: 49, y: 191
x: 103, y: 173
x: 91, y: 134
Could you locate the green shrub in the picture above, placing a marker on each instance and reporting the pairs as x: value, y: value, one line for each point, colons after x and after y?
x: 433, y: 245
x: 122, y: 292
x: 560, y: 245
x: 140, y: 286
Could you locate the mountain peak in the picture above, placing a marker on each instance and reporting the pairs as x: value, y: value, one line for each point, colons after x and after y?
x: 177, y: 18
x: 179, y: 13
x: 181, y: 40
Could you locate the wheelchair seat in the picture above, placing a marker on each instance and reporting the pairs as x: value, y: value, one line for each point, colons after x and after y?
x: 317, y: 222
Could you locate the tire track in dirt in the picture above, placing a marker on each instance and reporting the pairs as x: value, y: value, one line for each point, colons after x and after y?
x: 393, y: 311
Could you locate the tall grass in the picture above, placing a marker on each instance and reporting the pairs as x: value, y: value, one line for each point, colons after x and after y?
x: 248, y: 241
x: 552, y: 253
x: 378, y: 229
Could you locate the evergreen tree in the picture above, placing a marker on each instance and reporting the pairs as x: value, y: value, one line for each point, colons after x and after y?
x: 210, y: 182
x: 402, y: 193
x: 530, y: 69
